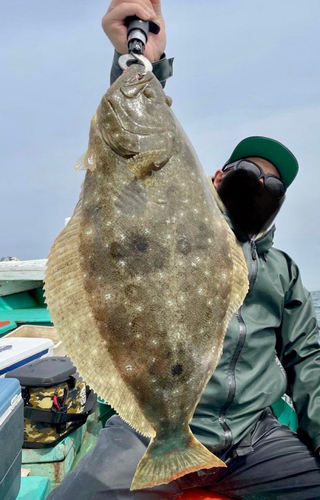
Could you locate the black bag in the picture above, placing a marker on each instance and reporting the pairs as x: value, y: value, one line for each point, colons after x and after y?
x: 56, y: 400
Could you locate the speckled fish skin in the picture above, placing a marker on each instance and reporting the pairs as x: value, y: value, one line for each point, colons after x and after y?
x: 143, y: 281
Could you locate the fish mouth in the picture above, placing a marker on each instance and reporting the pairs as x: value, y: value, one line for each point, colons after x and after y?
x: 135, y: 83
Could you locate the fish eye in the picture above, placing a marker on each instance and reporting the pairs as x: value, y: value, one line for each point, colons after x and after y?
x: 149, y: 93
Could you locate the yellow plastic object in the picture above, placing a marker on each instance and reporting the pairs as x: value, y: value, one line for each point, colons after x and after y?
x: 199, y: 494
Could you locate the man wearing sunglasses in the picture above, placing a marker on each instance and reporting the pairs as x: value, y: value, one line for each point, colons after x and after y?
x: 253, y: 182
x: 271, y: 346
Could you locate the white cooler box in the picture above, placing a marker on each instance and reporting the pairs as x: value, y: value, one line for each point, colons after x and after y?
x: 17, y: 351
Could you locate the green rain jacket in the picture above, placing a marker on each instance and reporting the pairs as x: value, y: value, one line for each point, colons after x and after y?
x: 271, y: 348
x: 271, y: 345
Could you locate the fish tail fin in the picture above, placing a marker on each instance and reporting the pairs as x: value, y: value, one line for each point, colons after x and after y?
x: 166, y: 460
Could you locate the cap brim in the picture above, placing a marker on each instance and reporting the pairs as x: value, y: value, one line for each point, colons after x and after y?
x: 271, y: 150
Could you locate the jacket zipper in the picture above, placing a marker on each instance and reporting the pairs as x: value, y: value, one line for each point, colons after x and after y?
x: 283, y: 372
x: 232, y: 379
x: 254, y: 263
x: 241, y: 340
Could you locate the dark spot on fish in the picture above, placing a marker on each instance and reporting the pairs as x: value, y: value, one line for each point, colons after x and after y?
x: 138, y: 324
x: 167, y: 353
x: 132, y: 291
x: 202, y: 236
x: 172, y: 192
x: 116, y: 250
x: 140, y: 255
x: 183, y: 245
x: 144, y: 256
x: 177, y: 370
x: 203, y: 229
x: 117, y: 322
x: 140, y: 243
x: 159, y: 261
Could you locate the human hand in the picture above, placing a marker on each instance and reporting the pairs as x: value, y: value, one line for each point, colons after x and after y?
x: 114, y: 26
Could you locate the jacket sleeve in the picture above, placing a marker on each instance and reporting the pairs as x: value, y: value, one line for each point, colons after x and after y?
x: 301, y: 357
x: 162, y: 69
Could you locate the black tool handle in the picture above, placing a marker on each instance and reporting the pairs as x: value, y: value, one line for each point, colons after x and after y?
x: 138, y: 31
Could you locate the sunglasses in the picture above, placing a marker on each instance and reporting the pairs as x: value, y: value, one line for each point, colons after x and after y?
x: 272, y: 183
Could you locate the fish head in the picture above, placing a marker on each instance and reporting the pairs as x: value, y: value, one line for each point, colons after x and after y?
x: 134, y: 116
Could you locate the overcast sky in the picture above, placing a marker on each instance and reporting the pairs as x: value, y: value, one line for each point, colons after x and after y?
x: 242, y: 67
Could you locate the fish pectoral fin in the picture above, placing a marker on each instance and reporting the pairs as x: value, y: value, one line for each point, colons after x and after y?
x: 142, y: 163
x: 79, y: 164
x: 87, y: 161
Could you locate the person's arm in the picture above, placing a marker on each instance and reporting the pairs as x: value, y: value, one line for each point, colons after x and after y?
x: 300, y: 356
x: 113, y: 24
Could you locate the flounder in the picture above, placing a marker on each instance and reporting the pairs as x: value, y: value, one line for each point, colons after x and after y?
x: 143, y: 280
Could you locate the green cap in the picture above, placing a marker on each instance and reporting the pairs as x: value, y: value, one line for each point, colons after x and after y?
x: 271, y: 150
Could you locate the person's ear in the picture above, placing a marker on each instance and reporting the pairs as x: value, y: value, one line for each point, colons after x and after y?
x: 217, y: 178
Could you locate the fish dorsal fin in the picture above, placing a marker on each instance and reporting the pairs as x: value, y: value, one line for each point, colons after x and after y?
x: 144, y: 162
x: 65, y: 291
